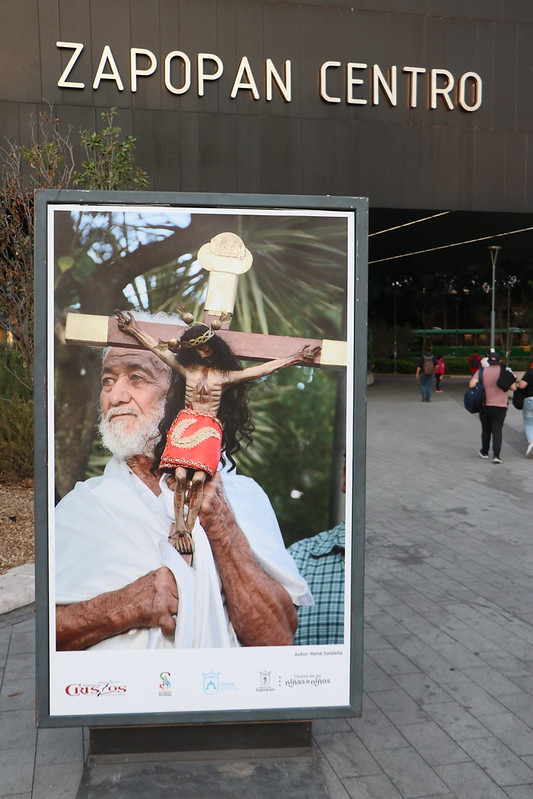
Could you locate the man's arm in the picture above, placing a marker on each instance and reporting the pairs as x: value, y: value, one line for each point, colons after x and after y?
x: 150, y: 601
x: 260, y: 609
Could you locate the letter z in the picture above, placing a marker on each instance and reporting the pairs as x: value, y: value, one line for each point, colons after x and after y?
x: 63, y: 83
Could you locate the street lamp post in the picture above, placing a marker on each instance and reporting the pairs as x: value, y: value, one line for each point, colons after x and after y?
x: 494, y: 250
x: 395, y: 343
x: 457, y: 301
x: 511, y: 281
x: 508, y: 341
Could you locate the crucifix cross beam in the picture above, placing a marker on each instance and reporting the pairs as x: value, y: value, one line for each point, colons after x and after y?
x: 103, y: 331
x: 225, y: 257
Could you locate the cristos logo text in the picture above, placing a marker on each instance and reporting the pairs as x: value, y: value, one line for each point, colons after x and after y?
x: 95, y: 689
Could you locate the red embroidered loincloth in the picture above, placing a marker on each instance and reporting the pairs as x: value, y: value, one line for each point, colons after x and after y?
x: 194, y: 441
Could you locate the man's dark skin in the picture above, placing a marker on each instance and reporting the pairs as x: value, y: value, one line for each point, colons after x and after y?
x: 260, y: 609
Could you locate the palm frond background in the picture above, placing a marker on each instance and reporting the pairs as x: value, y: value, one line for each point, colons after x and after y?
x: 296, y: 287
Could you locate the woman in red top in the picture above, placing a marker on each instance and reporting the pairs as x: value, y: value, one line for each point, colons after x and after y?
x: 439, y: 371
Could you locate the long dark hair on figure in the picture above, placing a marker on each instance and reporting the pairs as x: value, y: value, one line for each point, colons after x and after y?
x: 233, y: 412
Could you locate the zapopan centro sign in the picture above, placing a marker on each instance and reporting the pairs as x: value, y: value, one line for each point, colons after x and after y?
x: 463, y: 92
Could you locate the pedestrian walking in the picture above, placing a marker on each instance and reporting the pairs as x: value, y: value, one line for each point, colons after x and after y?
x: 474, y: 361
x: 526, y: 385
x: 425, y: 370
x: 439, y: 372
x: 492, y: 414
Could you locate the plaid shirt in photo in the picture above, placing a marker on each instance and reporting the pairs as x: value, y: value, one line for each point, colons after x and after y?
x: 320, y: 561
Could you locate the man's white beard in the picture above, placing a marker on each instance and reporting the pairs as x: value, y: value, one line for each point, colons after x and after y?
x: 127, y: 443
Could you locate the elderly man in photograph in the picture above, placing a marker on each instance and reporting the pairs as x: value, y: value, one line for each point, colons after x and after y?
x: 119, y: 581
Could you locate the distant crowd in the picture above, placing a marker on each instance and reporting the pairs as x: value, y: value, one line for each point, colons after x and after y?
x: 495, y: 382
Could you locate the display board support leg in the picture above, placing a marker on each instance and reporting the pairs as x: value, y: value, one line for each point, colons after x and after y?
x: 114, y: 742
x: 265, y: 759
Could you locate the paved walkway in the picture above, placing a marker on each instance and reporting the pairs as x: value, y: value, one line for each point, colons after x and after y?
x: 448, y: 710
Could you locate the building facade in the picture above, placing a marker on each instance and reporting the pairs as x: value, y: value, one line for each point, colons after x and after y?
x: 416, y: 104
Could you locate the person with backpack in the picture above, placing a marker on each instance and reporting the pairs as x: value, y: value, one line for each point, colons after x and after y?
x: 497, y: 381
x: 425, y: 369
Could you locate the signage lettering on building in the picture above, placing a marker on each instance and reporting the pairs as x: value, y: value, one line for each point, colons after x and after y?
x: 352, y: 83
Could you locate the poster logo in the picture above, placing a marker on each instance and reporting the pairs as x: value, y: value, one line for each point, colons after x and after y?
x: 211, y: 682
x: 265, y: 681
x: 165, y: 684
x: 95, y: 689
x: 315, y: 680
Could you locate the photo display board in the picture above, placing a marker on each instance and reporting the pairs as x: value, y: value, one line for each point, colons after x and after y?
x: 272, y: 277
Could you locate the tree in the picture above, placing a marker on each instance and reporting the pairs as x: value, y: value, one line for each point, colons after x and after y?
x: 16, y: 270
x: 49, y: 163
x: 46, y: 164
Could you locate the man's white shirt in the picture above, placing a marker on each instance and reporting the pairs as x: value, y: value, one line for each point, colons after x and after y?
x: 113, y: 529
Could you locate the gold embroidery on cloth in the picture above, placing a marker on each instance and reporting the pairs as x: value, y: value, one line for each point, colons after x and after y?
x: 179, y: 440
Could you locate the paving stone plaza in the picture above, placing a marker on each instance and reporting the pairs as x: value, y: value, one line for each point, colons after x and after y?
x: 448, y: 680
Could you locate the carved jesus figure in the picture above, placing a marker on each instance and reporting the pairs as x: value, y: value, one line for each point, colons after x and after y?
x: 194, y: 441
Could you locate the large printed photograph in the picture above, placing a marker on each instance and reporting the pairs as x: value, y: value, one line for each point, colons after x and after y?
x: 200, y: 451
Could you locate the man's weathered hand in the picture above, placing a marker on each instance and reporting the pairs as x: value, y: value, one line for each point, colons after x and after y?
x: 150, y: 601
x: 153, y: 600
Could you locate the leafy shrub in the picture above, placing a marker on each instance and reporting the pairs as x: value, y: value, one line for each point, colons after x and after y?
x: 454, y: 366
x: 386, y: 366
x: 16, y: 438
x: 13, y: 374
x: 110, y: 162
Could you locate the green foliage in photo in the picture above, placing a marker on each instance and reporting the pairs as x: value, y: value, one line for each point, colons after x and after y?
x: 295, y: 466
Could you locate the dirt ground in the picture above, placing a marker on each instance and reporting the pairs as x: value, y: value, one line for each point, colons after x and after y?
x: 16, y: 525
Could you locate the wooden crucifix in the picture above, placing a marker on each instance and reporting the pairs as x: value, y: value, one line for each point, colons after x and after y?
x: 194, y: 441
